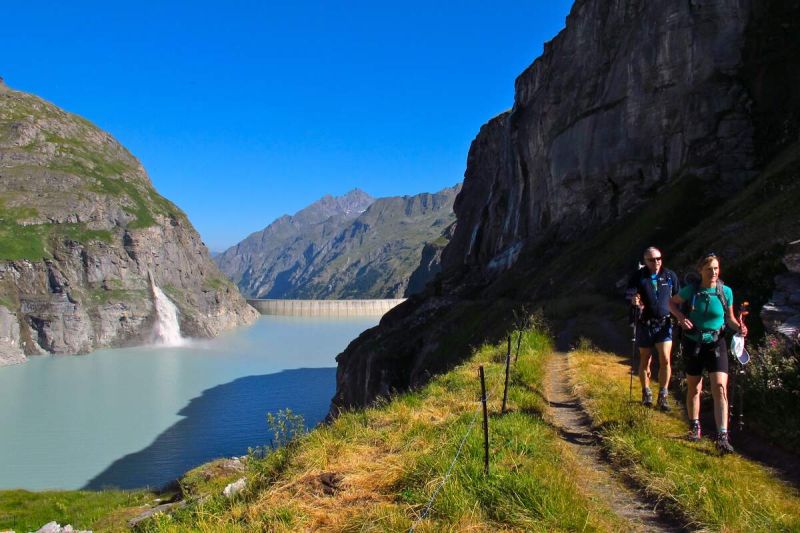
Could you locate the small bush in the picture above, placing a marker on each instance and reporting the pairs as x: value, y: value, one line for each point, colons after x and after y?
x: 772, y: 388
x: 286, y: 427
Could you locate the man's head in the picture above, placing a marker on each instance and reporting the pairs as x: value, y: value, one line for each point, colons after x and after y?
x: 653, y: 260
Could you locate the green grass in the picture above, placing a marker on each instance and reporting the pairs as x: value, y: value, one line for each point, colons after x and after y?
x: 727, y: 493
x: 22, y: 242
x: 108, y: 168
x: 390, y: 459
x: 216, y: 283
x: 103, y: 296
x: 22, y: 510
x: 35, y: 241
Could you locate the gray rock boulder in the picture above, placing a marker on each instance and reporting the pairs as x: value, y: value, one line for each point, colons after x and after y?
x: 11, y: 350
x: 782, y: 313
x: 55, y: 527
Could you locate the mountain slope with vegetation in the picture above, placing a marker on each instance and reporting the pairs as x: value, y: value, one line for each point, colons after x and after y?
x: 82, y: 233
x: 366, y: 248
x: 643, y: 123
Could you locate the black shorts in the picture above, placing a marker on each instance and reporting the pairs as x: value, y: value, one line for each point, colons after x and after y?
x: 712, y: 356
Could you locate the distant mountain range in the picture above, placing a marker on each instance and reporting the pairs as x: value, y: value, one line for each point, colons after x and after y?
x: 351, y: 246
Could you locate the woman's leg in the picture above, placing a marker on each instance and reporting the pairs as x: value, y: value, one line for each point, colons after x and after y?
x: 694, y: 386
x: 719, y: 391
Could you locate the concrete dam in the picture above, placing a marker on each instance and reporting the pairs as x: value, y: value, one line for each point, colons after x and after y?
x: 331, y: 308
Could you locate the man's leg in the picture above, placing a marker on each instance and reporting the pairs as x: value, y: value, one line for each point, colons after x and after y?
x: 664, y: 350
x: 645, y: 355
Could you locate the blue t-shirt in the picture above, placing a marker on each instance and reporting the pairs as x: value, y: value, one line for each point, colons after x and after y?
x: 708, y: 315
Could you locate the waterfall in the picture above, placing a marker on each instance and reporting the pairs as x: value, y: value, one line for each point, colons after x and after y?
x: 166, y: 330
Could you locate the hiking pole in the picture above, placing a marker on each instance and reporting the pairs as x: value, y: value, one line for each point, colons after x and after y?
x: 744, y: 310
x: 635, y: 313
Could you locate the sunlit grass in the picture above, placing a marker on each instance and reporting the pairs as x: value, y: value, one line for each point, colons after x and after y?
x: 388, y: 461
x: 726, y: 493
x: 22, y: 510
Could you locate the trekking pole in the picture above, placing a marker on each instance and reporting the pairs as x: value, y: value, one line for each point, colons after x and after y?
x: 633, y: 349
x: 744, y: 310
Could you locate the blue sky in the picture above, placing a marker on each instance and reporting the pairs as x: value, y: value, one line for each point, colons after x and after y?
x: 244, y: 111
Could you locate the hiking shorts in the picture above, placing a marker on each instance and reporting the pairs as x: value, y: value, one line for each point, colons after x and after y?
x: 647, y: 336
x: 712, y: 356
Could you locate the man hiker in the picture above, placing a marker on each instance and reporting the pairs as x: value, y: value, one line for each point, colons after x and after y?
x: 650, y: 289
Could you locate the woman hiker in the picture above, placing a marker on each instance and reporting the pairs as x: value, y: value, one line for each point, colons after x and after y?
x: 704, y: 347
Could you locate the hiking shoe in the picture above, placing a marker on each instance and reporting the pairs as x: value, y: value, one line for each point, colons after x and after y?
x: 694, y: 433
x: 647, y: 397
x: 663, y: 403
x: 723, y: 444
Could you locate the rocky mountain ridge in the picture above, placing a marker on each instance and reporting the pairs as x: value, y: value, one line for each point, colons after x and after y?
x: 359, y: 247
x: 642, y: 123
x: 81, y: 232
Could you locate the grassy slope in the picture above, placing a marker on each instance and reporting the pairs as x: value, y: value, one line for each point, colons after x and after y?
x: 719, y: 493
x: 387, y: 462
x: 21, y: 510
x: 105, y: 168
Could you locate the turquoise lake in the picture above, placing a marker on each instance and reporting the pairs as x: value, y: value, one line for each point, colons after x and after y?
x: 143, y: 416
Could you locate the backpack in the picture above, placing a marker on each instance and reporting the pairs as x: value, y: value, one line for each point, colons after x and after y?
x: 693, y: 280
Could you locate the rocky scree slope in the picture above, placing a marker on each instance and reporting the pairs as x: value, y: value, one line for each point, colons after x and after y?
x: 674, y: 123
x: 82, y: 231
x: 357, y: 248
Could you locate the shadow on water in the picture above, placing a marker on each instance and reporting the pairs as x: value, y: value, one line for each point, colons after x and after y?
x: 223, y: 421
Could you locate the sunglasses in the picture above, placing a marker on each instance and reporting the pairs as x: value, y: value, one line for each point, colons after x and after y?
x: 709, y: 255
x: 653, y: 259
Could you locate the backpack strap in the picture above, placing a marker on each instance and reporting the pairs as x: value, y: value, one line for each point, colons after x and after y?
x: 721, y: 295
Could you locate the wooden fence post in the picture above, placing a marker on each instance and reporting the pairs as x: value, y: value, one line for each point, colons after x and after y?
x: 485, y: 425
x: 519, y: 341
x: 505, y: 387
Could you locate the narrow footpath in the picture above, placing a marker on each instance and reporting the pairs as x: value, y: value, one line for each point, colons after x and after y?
x: 574, y: 425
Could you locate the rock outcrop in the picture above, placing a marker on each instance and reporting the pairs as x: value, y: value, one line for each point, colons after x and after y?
x: 369, y: 250
x: 782, y: 313
x: 640, y: 121
x: 81, y: 229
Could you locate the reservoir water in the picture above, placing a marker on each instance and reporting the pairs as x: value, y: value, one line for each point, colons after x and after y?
x: 143, y: 416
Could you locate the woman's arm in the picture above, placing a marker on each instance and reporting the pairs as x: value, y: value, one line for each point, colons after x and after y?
x: 674, y: 308
x: 730, y: 318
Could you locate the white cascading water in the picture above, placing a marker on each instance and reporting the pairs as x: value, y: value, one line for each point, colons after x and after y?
x: 167, y: 330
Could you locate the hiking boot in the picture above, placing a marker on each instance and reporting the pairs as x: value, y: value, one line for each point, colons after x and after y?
x: 694, y: 432
x: 663, y: 403
x: 647, y: 397
x: 723, y: 444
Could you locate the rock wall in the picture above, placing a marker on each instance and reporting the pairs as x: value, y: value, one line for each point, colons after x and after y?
x: 782, y: 313
x: 632, y: 95
x: 631, y: 101
x: 81, y: 229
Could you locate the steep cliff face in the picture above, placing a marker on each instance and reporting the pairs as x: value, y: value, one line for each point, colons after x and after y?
x: 81, y: 230
x: 642, y: 122
x: 631, y: 96
x: 366, y: 253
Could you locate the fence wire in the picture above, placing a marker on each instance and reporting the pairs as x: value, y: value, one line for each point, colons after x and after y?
x: 429, y: 505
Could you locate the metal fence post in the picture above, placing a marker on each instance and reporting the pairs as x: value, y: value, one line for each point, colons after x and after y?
x: 485, y: 425
x: 505, y: 387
